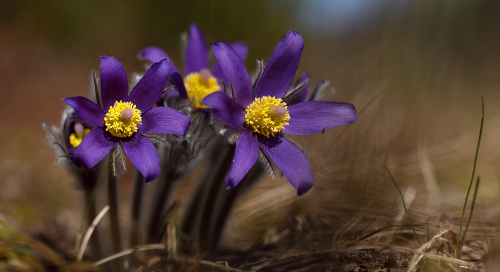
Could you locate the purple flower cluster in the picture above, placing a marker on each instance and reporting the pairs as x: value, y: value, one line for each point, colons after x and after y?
x: 263, y: 113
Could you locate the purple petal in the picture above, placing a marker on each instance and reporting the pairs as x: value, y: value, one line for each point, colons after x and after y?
x: 245, y: 156
x: 281, y: 67
x: 217, y: 72
x: 300, y: 95
x: 142, y: 153
x: 241, y: 49
x: 148, y: 90
x: 305, y: 76
x: 313, y: 117
x: 168, y: 93
x: 226, y: 109
x: 155, y: 54
x: 235, y: 73
x: 196, y: 53
x: 165, y: 121
x: 89, y: 111
x: 178, y: 82
x: 114, y: 84
x: 319, y: 86
x: 290, y: 160
x: 95, y: 146
x: 305, y: 88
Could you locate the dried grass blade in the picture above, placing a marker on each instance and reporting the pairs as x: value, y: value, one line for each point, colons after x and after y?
x: 130, y: 251
x: 380, y: 230
x: 89, y: 232
x: 404, y: 205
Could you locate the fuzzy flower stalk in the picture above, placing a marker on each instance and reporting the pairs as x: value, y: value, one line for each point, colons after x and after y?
x: 262, y: 118
x: 186, y: 88
x: 126, y: 120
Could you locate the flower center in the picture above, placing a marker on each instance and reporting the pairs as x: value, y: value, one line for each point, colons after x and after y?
x: 122, y: 119
x: 199, y: 85
x: 267, y: 115
x: 76, y: 137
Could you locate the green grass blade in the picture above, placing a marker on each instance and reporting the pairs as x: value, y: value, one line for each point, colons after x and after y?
x: 461, y: 245
x: 473, y: 173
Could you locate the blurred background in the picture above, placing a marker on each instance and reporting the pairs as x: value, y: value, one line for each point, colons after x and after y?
x: 415, y: 70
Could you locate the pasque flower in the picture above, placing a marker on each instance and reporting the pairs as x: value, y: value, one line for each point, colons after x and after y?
x: 68, y: 136
x: 126, y: 119
x: 264, y: 119
x: 199, y: 81
x: 63, y: 140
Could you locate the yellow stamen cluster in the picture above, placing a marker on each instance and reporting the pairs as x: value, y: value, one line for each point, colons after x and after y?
x: 75, y: 139
x: 267, y: 115
x: 199, y: 85
x: 122, y: 119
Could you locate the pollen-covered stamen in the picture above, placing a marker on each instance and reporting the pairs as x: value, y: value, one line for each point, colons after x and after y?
x: 79, y: 133
x: 278, y: 110
x: 267, y: 115
x: 79, y: 129
x: 205, y: 74
x: 122, y: 119
x: 127, y: 113
x: 199, y: 85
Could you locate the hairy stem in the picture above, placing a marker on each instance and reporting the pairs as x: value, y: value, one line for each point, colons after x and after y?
x: 225, y: 203
x: 135, y: 216
x: 113, y: 215
x: 95, y: 239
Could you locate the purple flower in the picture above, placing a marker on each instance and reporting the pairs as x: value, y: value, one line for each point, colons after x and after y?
x: 199, y: 81
x: 264, y: 119
x: 126, y: 119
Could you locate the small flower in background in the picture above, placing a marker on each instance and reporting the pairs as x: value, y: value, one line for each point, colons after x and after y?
x: 79, y: 132
x: 199, y: 81
x: 264, y: 118
x: 59, y: 138
x: 64, y: 140
x: 300, y: 91
x: 124, y: 119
